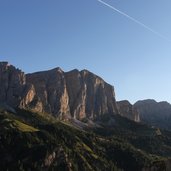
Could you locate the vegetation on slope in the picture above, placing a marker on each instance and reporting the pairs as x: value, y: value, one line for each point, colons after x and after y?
x: 31, y: 141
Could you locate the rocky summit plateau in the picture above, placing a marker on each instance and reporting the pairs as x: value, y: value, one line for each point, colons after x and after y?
x: 71, y: 121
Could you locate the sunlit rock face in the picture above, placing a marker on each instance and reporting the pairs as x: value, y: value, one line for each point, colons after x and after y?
x: 77, y: 94
x: 89, y: 95
x: 13, y: 88
x: 51, y: 92
x: 74, y: 94
x: 126, y: 109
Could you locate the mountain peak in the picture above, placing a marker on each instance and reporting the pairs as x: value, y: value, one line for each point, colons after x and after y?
x: 155, y: 113
x: 127, y: 110
x: 77, y: 94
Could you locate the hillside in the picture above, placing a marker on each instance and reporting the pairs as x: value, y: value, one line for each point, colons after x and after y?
x: 39, y: 142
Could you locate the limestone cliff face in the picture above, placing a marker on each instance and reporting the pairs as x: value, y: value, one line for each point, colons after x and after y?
x: 89, y: 95
x: 77, y: 94
x: 127, y: 110
x: 154, y: 113
x: 13, y: 88
x: 51, y: 92
x: 74, y: 94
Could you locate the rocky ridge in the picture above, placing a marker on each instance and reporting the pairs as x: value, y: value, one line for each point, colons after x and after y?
x: 126, y: 109
x: 76, y: 94
x: 154, y: 113
x: 14, y: 91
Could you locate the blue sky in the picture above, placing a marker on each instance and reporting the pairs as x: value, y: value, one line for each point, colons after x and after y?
x: 43, y: 34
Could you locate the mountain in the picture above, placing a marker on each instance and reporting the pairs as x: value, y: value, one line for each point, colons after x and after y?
x: 79, y: 94
x: 70, y: 121
x: 74, y: 94
x: 13, y: 88
x: 126, y: 109
x: 154, y: 113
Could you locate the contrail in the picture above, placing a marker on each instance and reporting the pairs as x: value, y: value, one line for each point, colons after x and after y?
x: 134, y: 20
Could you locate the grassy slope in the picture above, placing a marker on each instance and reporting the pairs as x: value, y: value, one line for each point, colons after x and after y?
x: 28, y: 139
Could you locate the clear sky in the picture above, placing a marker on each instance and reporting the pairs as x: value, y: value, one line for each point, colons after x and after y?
x: 85, y: 34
